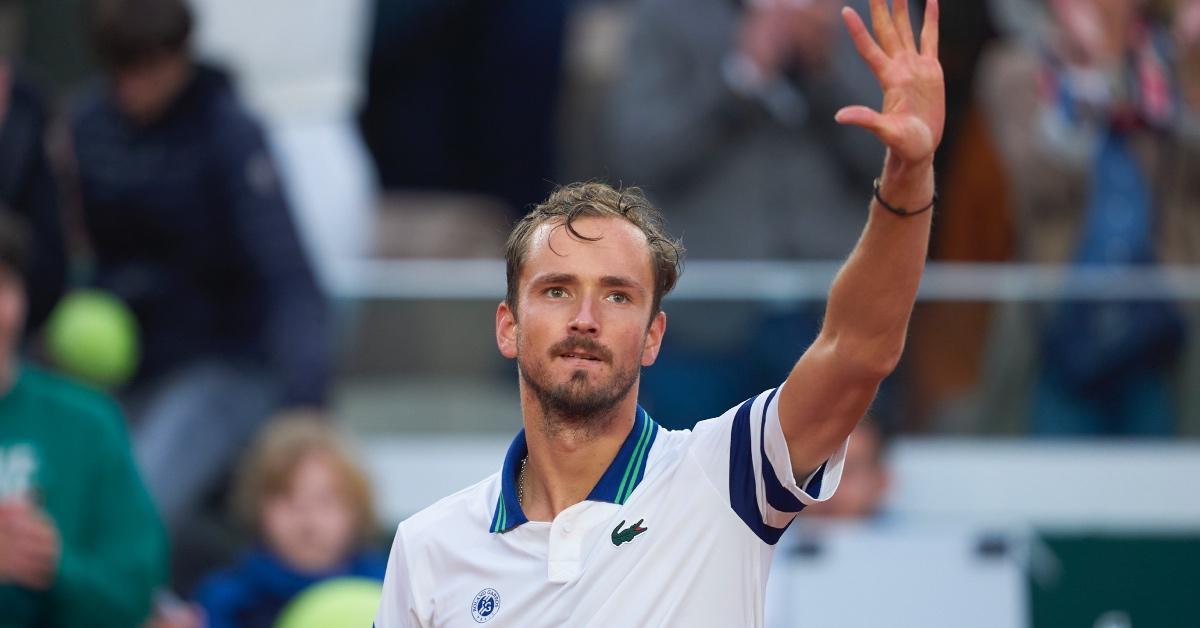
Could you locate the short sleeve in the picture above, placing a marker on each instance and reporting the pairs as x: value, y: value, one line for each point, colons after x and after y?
x: 397, y: 607
x: 745, y: 455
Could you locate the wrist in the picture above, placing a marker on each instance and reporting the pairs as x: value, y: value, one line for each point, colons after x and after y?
x: 896, y: 169
x: 907, y: 184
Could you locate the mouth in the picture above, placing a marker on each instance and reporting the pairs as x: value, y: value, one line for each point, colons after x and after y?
x: 581, y: 358
x: 581, y: 352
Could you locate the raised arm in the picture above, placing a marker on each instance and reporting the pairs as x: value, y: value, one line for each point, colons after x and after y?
x: 871, y: 299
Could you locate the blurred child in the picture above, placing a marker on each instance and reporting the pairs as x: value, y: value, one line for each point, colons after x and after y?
x: 865, y: 478
x: 310, y: 508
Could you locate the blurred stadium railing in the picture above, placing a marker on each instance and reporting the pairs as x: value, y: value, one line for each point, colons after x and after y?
x: 792, y: 281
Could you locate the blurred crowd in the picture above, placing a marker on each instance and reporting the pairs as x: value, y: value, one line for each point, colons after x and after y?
x: 183, y: 184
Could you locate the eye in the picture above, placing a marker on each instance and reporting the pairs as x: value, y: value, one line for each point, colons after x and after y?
x: 556, y: 293
x: 618, y: 297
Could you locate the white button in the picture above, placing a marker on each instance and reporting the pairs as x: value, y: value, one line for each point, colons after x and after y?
x: 566, y: 528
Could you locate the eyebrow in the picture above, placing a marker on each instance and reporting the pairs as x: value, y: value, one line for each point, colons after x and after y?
x: 614, y: 281
x: 609, y: 281
x: 553, y: 278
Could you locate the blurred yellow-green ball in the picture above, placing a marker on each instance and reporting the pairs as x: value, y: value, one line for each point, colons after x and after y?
x: 94, y: 336
x: 335, y: 603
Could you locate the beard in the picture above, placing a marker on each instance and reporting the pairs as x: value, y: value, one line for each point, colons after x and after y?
x: 576, y: 403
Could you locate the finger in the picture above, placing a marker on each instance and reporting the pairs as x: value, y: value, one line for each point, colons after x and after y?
x: 903, y: 24
x: 863, y: 42
x: 858, y: 115
x: 37, y: 579
x: 929, y: 30
x: 869, y: 119
x: 29, y: 528
x: 38, y: 548
x: 29, y: 570
x: 885, y: 30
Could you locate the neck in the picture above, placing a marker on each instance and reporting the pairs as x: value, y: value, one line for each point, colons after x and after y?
x: 567, y: 460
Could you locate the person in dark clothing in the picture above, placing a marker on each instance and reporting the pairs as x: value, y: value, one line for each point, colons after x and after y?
x: 189, y: 226
x: 463, y: 95
x: 27, y: 188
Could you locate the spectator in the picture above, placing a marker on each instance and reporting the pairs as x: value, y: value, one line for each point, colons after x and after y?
x: 27, y: 186
x: 189, y: 226
x: 80, y: 544
x: 1094, y: 132
x: 307, y: 99
x: 865, y: 477
x: 725, y: 115
x: 462, y: 95
x: 310, y: 508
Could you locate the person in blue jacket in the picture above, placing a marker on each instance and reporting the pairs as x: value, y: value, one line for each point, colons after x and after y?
x: 188, y: 224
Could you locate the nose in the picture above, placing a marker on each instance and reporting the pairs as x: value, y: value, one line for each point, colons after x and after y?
x: 584, y: 321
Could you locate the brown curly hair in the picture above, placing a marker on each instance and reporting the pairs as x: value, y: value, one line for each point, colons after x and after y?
x: 594, y: 199
x: 270, y: 466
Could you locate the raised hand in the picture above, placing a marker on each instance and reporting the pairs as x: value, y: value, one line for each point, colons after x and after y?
x: 914, y: 92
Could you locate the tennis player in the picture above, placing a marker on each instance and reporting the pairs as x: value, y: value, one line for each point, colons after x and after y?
x: 599, y: 517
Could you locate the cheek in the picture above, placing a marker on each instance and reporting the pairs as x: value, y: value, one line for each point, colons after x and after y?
x: 634, y: 345
x: 277, y: 520
x: 533, y: 338
x: 333, y: 527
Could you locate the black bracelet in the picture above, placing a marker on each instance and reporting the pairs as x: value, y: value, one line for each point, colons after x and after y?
x: 900, y: 211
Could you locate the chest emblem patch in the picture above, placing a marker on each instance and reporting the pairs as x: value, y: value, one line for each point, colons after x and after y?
x: 485, y: 605
x: 620, y: 536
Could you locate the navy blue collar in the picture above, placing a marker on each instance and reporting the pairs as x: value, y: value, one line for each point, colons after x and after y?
x: 624, y: 473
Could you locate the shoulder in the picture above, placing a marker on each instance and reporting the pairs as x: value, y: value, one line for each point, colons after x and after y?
x: 92, y: 108
x: 82, y: 407
x: 26, y: 99
x: 227, y: 114
x: 230, y: 116
x: 712, y: 439
x: 468, y: 507
x: 668, y: 444
x: 369, y: 563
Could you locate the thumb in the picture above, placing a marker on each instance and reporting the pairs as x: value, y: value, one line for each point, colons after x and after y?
x: 889, y: 129
x: 858, y: 115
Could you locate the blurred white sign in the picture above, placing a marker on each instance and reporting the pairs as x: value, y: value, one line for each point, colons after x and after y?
x: 893, y: 575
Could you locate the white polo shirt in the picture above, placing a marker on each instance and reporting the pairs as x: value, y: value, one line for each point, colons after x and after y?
x: 679, y: 531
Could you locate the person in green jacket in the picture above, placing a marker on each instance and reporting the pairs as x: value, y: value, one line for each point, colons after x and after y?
x: 80, y: 542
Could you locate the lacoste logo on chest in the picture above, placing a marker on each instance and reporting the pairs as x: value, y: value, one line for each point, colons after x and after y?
x: 620, y: 536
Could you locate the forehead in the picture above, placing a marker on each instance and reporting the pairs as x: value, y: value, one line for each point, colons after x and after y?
x: 619, y: 248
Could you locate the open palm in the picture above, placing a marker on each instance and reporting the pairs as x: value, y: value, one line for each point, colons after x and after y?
x: 914, y: 91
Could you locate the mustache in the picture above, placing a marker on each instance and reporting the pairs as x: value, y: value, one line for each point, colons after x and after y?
x: 583, y: 343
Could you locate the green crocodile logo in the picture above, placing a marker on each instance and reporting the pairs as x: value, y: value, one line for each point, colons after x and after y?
x: 620, y: 536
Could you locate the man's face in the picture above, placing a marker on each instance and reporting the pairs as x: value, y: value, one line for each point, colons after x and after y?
x: 144, y: 91
x: 12, y: 312
x: 583, y: 330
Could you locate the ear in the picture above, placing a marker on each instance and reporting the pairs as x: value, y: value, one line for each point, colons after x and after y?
x: 654, y: 337
x: 506, y: 331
